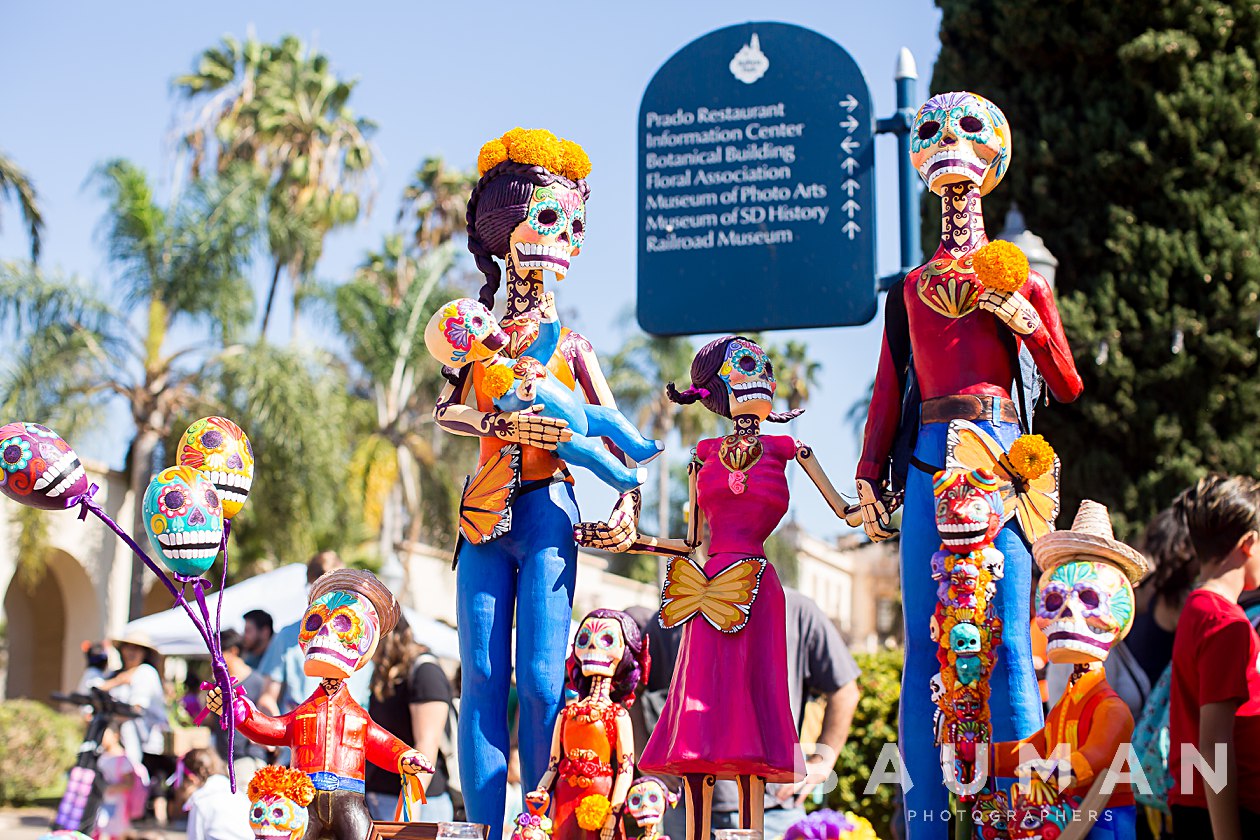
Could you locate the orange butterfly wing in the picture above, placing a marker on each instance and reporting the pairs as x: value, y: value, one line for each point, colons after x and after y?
x: 725, y: 600
x: 1039, y: 506
x: 485, y: 510
x: 969, y: 447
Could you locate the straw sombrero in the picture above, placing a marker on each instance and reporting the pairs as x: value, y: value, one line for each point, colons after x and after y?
x: 363, y: 583
x: 135, y: 638
x: 1091, y: 538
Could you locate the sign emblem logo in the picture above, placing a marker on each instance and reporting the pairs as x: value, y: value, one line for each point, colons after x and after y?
x: 750, y: 63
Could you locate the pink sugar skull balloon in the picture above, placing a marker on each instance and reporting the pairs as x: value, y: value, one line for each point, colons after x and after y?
x: 38, y: 468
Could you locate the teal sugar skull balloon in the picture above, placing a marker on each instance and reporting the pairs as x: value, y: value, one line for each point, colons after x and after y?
x: 184, y: 517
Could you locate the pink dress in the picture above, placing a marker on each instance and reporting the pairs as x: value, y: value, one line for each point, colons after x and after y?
x: 727, y: 712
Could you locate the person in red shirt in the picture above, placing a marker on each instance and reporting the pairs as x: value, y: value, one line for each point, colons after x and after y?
x: 332, y: 738
x: 1215, y: 690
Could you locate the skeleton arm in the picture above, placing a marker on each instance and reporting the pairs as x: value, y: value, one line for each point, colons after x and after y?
x: 453, y: 414
x: 620, y: 532
x: 624, y: 771
x: 809, y: 462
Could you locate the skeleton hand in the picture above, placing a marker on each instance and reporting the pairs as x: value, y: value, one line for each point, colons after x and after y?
x: 548, y: 307
x: 526, y: 427
x: 214, y: 702
x: 1059, y: 774
x: 610, y: 825
x: 619, y: 532
x: 875, y: 514
x: 413, y: 763
x: 1013, y: 309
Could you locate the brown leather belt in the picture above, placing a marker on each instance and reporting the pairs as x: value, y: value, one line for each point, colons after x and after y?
x: 967, y: 407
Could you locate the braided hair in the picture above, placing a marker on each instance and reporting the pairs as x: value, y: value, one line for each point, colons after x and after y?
x: 709, y: 389
x: 497, y: 205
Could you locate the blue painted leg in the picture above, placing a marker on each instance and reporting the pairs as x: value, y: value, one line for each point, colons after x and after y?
x: 603, y: 421
x: 590, y: 453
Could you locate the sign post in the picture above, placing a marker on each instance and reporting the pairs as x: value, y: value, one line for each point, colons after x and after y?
x: 756, y: 186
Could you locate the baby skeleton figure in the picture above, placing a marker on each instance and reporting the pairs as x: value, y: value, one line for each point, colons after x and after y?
x: 463, y: 331
x: 331, y: 735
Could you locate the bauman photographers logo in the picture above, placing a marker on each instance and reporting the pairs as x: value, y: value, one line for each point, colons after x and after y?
x: 1055, y: 770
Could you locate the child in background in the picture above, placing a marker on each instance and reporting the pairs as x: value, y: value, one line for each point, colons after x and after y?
x: 120, y: 775
x: 1215, y: 690
x: 214, y: 812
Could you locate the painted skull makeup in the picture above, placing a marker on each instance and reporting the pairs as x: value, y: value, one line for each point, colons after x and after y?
x: 969, y: 509
x: 463, y: 331
x: 960, y: 137
x: 38, y: 468
x: 218, y: 447
x: 599, y: 647
x: 748, y: 374
x: 552, y: 233
x: 184, y: 517
x: 1084, y: 608
x: 275, y: 817
x: 647, y: 801
x: 338, y: 634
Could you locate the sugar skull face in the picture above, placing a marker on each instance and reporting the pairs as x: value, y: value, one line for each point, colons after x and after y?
x: 1084, y: 608
x: 338, y: 634
x: 749, y: 378
x: 184, y: 518
x: 463, y: 331
x: 275, y: 817
x: 969, y: 510
x: 964, y: 638
x: 552, y: 233
x: 218, y: 447
x: 647, y: 801
x: 38, y: 468
x: 968, y: 705
x: 968, y: 669
x: 599, y: 646
x: 960, y: 137
x: 1032, y: 821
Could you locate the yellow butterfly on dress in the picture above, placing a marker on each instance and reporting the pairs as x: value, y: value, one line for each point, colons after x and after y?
x: 1034, y: 504
x: 724, y: 600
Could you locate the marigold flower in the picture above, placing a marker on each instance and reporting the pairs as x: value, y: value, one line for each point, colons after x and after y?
x: 1001, y: 266
x: 492, y: 154
x: 536, y: 147
x: 1031, y: 456
x: 577, y: 165
x: 497, y: 381
x: 274, y: 780
x: 593, y: 811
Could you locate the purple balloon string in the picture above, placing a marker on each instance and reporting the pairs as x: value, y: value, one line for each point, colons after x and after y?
x: 86, y: 502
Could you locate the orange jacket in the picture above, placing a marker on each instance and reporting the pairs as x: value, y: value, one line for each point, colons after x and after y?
x: 331, y: 734
x: 1094, y: 740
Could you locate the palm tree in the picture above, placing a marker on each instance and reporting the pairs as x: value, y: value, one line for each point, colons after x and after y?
x: 795, y: 371
x: 178, y: 265
x: 16, y: 183
x: 637, y: 375
x: 399, y: 466
x: 438, y: 199
x: 281, y: 107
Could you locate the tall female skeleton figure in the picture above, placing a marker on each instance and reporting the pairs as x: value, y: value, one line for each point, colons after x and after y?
x: 529, y: 210
x: 959, y: 343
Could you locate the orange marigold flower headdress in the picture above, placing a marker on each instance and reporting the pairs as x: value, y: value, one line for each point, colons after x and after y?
x: 536, y: 147
x: 275, y: 780
x: 1001, y: 266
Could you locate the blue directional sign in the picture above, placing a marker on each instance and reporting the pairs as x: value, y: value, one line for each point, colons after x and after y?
x: 756, y: 186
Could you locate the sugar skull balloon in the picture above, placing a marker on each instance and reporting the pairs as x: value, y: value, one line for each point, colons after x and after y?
x: 278, y: 798
x: 184, y: 517
x: 960, y: 137
x: 38, y: 468
x: 218, y: 447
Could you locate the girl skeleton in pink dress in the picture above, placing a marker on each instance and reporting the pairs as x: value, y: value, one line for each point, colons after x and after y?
x: 727, y: 714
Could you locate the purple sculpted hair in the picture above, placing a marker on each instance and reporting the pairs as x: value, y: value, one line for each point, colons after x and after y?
x: 632, y: 670
x: 497, y: 205
x: 709, y: 389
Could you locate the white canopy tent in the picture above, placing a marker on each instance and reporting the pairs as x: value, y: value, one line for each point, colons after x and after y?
x: 282, y: 593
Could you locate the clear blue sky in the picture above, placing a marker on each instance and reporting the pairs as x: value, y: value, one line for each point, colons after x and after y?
x: 85, y: 82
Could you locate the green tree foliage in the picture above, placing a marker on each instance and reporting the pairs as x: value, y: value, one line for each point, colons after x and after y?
x: 36, y: 746
x: 16, y: 184
x: 874, y: 726
x: 1136, y: 152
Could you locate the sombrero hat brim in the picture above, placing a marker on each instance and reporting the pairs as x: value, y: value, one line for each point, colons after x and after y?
x: 1059, y: 547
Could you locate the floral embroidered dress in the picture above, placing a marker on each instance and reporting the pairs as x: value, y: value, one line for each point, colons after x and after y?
x: 588, y: 743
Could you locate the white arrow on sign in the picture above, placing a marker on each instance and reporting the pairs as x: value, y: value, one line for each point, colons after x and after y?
x: 851, y: 227
x: 849, y: 144
x: 849, y: 165
x: 849, y: 103
x: 850, y: 186
x: 850, y: 124
x: 850, y: 207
